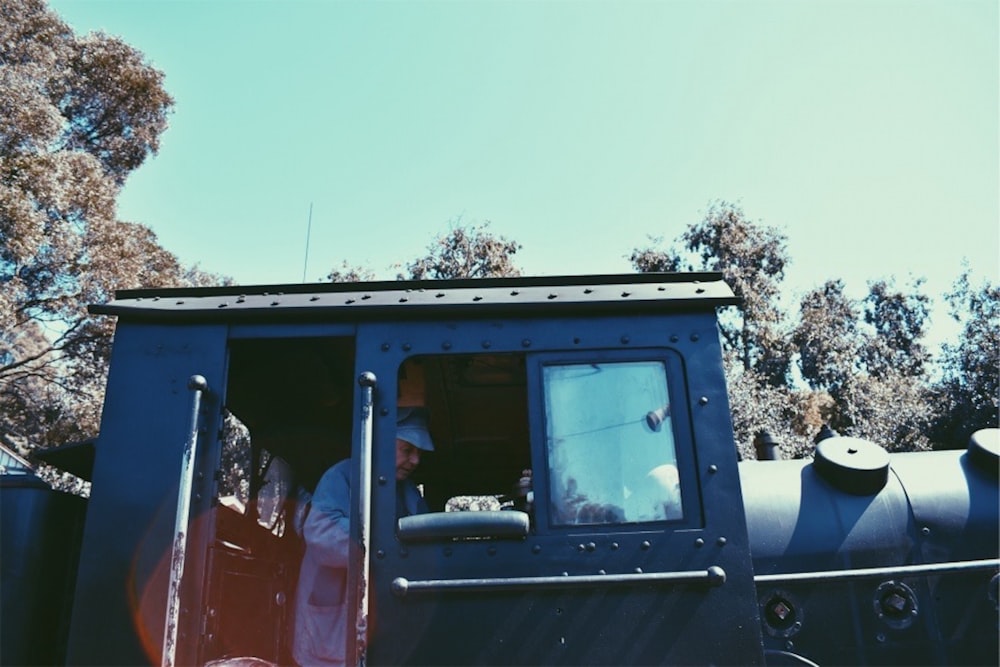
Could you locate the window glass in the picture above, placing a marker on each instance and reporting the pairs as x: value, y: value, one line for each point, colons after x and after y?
x: 610, y: 443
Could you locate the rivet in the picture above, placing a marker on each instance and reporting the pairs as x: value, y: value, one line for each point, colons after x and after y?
x: 703, y: 400
x: 314, y: 298
x: 699, y: 542
x: 645, y: 545
x: 382, y: 480
x: 537, y: 549
x: 223, y: 305
x: 180, y: 303
x: 380, y: 554
x: 477, y: 298
x: 925, y: 530
x: 349, y: 301
x: 581, y: 547
x: 602, y: 572
x: 274, y: 303
x: 487, y: 344
x: 591, y: 546
x: 588, y: 291
x: 439, y: 295
x: 674, y: 338
x: 638, y: 570
x: 713, y: 468
x: 614, y: 546
x: 695, y: 337
x: 514, y: 293
x: 626, y: 294
x: 625, y: 340
x: 403, y: 299
x: 386, y: 347
x: 880, y: 637
x: 492, y: 551
x: 721, y: 541
x: 366, y: 297
x: 553, y: 296
x: 407, y: 347
x: 700, y: 290
x: 384, y: 412
x: 576, y: 341
x: 403, y: 553
x: 446, y: 345
x: 197, y: 496
x: 525, y: 343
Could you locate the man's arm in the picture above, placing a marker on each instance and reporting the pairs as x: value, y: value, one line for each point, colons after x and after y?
x: 327, y: 527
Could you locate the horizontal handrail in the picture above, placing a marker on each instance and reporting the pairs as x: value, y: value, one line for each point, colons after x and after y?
x: 876, y: 572
x: 401, y: 586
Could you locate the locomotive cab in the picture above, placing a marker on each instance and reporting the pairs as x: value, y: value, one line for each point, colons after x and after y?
x: 609, y: 390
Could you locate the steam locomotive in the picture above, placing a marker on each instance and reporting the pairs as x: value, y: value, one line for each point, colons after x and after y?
x: 647, y: 541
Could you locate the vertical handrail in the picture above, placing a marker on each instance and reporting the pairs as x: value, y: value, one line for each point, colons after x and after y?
x: 198, y: 384
x: 367, y: 381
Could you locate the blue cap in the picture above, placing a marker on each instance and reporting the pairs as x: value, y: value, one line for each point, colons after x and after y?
x: 411, y: 426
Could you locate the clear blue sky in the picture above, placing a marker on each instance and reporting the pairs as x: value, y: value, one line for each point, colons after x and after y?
x: 867, y: 131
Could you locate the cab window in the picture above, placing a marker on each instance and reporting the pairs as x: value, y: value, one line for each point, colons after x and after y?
x: 610, y: 443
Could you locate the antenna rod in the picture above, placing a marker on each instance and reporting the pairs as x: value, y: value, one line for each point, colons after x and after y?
x: 305, y: 263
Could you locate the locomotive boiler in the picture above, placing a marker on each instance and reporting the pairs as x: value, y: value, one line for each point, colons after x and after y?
x: 647, y: 541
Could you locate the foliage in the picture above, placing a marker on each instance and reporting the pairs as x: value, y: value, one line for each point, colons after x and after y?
x: 466, y: 251
x: 969, y: 390
x: 827, y: 337
x: 752, y: 259
x: 349, y: 274
x: 863, y: 364
x: 899, y: 321
x: 77, y: 115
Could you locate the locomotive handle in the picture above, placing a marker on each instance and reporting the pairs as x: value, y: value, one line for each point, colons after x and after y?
x: 198, y: 385
x: 713, y: 576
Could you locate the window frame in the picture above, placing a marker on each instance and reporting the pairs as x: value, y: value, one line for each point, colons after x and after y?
x: 685, y: 452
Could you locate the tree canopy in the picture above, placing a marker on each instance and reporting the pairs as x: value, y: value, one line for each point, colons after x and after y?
x: 466, y: 251
x: 77, y: 115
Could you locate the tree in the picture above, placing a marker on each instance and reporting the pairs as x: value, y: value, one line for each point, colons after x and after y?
x: 752, y: 259
x: 875, y: 374
x: 899, y: 322
x: 347, y: 273
x: 827, y: 338
x: 466, y: 251
x: 77, y: 115
x: 970, y: 386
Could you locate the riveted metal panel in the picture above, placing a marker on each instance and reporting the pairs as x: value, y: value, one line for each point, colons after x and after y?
x: 643, y: 594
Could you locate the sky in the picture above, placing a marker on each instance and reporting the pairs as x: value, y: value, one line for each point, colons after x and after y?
x: 865, y: 131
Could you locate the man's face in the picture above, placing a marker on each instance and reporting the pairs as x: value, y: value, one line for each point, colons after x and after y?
x: 407, y: 459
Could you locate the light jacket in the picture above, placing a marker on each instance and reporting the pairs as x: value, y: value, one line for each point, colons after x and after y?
x: 321, y: 610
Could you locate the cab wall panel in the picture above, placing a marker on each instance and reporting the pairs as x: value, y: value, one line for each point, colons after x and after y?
x: 120, y: 596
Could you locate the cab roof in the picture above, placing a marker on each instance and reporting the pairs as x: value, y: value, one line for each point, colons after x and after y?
x: 621, y: 293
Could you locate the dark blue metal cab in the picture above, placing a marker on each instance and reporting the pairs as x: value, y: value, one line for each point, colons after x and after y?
x: 609, y: 389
